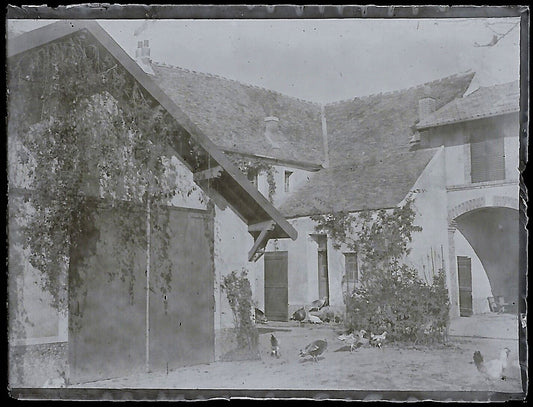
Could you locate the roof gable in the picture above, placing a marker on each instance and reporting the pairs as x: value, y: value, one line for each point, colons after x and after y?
x: 219, y: 175
x: 483, y: 102
x: 385, y: 122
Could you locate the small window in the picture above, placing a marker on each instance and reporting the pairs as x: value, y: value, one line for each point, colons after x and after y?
x: 287, y: 182
x: 350, y: 265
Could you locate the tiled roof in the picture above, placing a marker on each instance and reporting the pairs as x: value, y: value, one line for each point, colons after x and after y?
x: 368, y: 139
x: 232, y: 114
x: 371, y: 183
x: 484, y: 102
x: 384, y: 122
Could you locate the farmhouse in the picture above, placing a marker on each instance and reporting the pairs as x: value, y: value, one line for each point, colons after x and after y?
x: 240, y: 152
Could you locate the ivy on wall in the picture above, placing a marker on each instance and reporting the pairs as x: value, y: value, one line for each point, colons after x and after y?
x: 88, y: 132
x: 252, y: 166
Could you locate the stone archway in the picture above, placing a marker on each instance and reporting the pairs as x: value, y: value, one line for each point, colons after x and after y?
x: 491, y: 227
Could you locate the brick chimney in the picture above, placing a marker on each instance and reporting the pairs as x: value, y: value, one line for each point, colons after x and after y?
x: 426, y: 106
x: 272, y: 130
x: 142, y: 56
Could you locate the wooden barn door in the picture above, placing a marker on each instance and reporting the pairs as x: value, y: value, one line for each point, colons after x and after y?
x: 181, y: 308
x: 464, y: 269
x: 126, y: 317
x: 276, y: 286
x: 107, y: 299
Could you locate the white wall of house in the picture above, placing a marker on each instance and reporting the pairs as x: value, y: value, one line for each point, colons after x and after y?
x: 429, y: 245
x: 296, y: 179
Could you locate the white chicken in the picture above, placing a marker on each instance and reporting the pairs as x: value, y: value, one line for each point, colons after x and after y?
x: 314, y: 319
x: 493, y: 369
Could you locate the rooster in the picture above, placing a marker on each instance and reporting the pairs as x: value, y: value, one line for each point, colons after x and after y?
x: 274, y: 344
x: 315, y: 349
x: 493, y: 369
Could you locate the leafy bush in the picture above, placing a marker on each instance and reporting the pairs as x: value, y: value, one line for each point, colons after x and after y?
x: 401, y: 304
x: 239, y: 294
x: 390, y: 296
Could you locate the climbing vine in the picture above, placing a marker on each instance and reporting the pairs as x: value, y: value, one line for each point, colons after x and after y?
x: 86, y: 133
x: 239, y: 294
x: 253, y: 167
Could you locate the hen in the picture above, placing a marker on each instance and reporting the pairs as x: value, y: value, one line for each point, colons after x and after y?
x: 377, y: 340
x: 260, y: 317
x: 315, y: 349
x: 354, y: 341
x: 274, y: 344
x: 493, y: 369
x: 299, y: 315
x: 317, y: 305
x: 314, y: 319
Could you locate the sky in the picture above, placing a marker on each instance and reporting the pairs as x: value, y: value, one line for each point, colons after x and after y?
x: 327, y: 60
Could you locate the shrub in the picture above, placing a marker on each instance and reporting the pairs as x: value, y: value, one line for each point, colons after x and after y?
x: 239, y: 294
x: 401, y: 304
x: 390, y: 296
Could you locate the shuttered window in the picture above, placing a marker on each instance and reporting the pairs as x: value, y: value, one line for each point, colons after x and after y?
x: 487, y: 158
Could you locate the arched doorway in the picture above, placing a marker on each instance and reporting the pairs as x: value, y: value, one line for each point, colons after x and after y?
x: 493, y: 234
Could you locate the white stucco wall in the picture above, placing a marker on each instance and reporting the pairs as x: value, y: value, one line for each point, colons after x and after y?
x: 430, y: 245
x: 297, y: 178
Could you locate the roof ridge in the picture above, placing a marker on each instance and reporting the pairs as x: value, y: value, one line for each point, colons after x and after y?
x: 496, y: 85
x: 249, y: 85
x: 397, y: 91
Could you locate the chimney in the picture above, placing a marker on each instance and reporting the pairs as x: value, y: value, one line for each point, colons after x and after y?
x: 272, y: 130
x: 426, y: 106
x: 142, y: 56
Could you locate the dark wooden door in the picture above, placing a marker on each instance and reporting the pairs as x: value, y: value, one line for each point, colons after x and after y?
x: 323, y: 275
x: 107, y: 296
x: 276, y: 286
x: 464, y: 270
x: 181, y: 316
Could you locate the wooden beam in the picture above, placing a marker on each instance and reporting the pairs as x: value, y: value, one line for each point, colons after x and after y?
x: 210, y: 173
x: 258, y: 227
x: 261, y: 240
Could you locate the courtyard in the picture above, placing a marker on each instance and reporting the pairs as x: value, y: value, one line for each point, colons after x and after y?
x: 443, y: 367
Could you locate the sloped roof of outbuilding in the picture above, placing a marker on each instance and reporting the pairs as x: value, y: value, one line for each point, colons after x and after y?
x: 484, y: 102
x: 371, y: 183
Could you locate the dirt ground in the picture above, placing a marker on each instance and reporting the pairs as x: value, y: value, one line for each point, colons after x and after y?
x: 438, y: 368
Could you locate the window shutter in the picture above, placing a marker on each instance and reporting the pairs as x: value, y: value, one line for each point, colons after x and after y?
x: 487, y: 158
x: 495, y: 167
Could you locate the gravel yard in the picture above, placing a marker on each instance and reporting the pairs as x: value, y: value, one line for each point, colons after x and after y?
x: 394, y: 367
